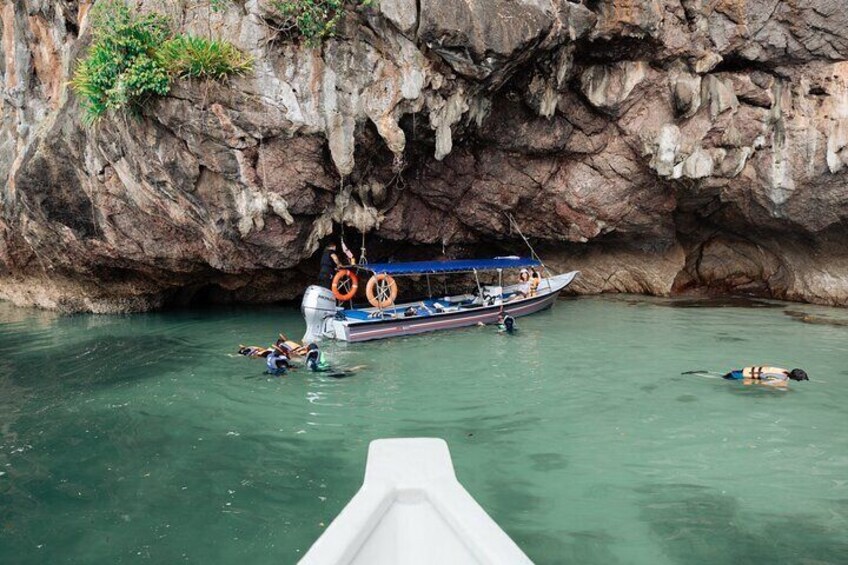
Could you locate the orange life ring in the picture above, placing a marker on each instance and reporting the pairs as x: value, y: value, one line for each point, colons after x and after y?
x: 381, y: 291
x: 337, y: 282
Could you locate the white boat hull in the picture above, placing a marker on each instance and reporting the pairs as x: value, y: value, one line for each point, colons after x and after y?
x: 324, y: 324
x: 411, y: 510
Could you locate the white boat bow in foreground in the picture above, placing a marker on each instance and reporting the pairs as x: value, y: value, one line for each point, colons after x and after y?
x: 411, y: 510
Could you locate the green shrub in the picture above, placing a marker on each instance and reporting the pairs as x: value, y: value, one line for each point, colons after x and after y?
x: 121, y: 68
x: 189, y: 56
x: 134, y: 57
x: 314, y: 20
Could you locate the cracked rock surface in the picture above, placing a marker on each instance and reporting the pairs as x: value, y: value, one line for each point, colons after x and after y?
x: 659, y: 146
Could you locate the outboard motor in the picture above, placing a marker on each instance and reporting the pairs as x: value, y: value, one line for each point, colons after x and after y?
x: 319, y: 309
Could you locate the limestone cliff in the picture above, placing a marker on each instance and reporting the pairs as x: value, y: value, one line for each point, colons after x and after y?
x: 657, y: 145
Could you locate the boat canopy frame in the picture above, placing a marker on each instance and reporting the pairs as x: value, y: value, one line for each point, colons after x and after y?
x: 452, y: 266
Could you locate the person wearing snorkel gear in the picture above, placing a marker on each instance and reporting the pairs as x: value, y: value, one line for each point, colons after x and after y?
x: 277, y: 357
x: 292, y: 347
x: 317, y: 363
x: 277, y: 362
x: 506, y: 323
x: 767, y: 376
x: 253, y: 351
x: 315, y: 360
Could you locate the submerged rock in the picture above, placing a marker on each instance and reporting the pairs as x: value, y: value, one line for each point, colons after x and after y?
x: 659, y: 146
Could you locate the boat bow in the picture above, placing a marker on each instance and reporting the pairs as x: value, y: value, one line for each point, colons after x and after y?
x: 411, y: 509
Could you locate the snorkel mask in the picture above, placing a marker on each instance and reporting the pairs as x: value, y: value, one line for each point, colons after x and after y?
x: 798, y: 375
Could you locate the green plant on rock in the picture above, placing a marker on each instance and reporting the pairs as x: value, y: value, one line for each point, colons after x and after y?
x: 135, y: 56
x: 121, y: 68
x: 189, y: 56
x: 314, y: 20
x: 218, y: 5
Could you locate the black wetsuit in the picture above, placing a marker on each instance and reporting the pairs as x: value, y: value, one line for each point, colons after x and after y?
x: 328, y: 269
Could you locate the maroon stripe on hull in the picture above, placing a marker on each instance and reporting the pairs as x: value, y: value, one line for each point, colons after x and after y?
x: 433, y: 323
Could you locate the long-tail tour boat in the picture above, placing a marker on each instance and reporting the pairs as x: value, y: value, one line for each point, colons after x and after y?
x: 327, y: 317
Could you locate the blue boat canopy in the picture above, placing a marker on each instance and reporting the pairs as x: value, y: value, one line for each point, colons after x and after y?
x: 451, y: 266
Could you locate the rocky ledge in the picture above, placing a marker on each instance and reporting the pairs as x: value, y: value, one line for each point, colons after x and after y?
x: 660, y: 146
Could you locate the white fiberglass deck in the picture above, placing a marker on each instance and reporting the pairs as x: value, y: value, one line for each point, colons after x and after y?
x: 411, y: 510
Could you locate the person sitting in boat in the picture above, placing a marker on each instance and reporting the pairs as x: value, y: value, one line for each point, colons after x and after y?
x: 253, y: 351
x: 329, y: 263
x: 768, y: 376
x: 317, y: 363
x: 535, y: 280
x: 277, y: 362
x: 523, y: 288
x: 506, y: 323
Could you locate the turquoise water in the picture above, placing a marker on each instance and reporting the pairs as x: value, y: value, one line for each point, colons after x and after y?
x: 138, y: 438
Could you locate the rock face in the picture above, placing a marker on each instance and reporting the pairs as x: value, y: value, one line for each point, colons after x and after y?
x: 660, y: 146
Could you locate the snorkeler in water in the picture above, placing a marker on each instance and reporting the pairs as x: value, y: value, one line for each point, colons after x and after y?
x: 768, y: 376
x: 317, y: 363
x: 277, y: 362
x: 291, y: 348
x: 294, y: 348
x: 506, y: 323
x: 253, y: 351
x: 759, y: 375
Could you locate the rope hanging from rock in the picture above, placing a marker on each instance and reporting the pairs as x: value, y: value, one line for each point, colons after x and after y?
x: 363, y: 260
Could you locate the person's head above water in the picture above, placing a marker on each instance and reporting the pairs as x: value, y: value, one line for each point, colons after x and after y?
x: 311, y: 352
x: 798, y: 375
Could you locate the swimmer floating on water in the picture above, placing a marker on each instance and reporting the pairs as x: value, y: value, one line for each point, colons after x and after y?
x: 768, y: 376
x: 762, y: 375
x: 292, y: 348
x: 253, y: 351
